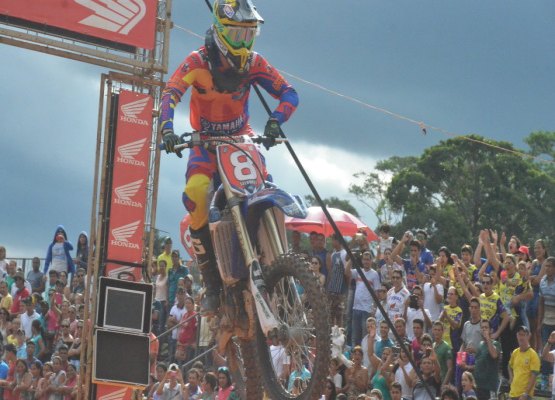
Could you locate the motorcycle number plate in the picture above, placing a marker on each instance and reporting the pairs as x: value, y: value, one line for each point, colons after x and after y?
x: 241, y: 167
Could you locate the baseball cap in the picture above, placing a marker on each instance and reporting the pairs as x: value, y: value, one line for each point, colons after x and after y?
x: 523, y: 250
x: 19, y: 275
x: 167, y: 240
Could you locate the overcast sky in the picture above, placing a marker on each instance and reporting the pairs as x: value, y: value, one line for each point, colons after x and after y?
x: 465, y: 66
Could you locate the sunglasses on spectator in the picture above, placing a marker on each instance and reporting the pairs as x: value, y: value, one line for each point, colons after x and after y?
x: 486, y: 282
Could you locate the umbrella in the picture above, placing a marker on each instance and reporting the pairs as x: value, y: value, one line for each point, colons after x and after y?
x: 316, y: 221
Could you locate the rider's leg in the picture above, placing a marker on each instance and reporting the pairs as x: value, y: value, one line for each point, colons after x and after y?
x: 195, y: 198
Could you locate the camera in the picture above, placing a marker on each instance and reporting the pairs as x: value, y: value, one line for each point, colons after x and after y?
x: 413, y: 301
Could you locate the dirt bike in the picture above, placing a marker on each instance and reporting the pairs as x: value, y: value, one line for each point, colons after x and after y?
x: 268, y: 291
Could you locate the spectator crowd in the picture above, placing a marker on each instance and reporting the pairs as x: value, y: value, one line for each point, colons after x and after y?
x: 470, y: 323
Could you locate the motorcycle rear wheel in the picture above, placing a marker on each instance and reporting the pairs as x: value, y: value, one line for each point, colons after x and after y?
x: 304, y: 327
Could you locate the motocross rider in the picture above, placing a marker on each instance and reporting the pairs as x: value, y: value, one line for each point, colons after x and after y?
x: 220, y: 73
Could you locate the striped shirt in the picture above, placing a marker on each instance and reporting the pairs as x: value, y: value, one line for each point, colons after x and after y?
x: 336, y: 275
x: 547, y: 292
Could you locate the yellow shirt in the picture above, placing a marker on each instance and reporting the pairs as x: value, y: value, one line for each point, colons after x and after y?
x: 6, y: 302
x: 523, y: 364
x: 167, y: 258
x: 506, y: 289
x: 454, y: 313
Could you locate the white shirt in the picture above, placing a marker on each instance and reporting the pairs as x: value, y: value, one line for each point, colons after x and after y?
x: 396, y: 302
x: 177, y: 313
x: 430, y: 302
x: 406, y: 390
x: 413, y: 314
x: 363, y: 300
x: 279, y: 358
x: 59, y: 260
x: 27, y: 321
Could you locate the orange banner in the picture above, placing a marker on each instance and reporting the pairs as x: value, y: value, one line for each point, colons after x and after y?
x: 130, y: 174
x: 130, y: 22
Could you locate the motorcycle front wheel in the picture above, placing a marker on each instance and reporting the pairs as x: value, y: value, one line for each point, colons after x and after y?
x: 300, y: 306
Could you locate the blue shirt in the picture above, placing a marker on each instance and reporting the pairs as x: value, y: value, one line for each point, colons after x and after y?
x: 426, y: 257
x: 4, y: 369
x: 410, y: 269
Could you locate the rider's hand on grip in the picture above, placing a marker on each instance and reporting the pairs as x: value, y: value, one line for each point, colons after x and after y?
x: 170, y: 141
x: 271, y: 132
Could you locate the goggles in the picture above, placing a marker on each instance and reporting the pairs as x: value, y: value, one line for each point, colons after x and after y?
x: 240, y: 36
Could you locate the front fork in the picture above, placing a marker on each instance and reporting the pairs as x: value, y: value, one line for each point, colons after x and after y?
x: 256, y: 281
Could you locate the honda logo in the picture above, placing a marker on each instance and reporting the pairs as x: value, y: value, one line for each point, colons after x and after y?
x: 123, y: 233
x: 128, y: 152
x: 119, y: 16
x: 131, y: 111
x: 125, y: 194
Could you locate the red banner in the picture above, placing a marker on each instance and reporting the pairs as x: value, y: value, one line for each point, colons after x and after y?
x: 129, y: 22
x: 130, y: 174
x: 113, y: 392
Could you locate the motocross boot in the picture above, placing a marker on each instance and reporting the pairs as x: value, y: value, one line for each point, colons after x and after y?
x: 208, y: 267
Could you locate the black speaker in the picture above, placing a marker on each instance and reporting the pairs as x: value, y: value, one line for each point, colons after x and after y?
x: 121, y: 358
x: 124, y: 305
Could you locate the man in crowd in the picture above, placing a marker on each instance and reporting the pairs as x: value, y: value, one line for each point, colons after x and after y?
x: 166, y: 255
x: 444, y: 354
x: 486, y: 367
x: 35, y: 276
x: 524, y: 366
x: 414, y: 268
x: 338, y: 277
x: 363, y: 301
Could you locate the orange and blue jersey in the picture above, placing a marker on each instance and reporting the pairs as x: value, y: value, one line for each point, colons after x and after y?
x: 223, y: 113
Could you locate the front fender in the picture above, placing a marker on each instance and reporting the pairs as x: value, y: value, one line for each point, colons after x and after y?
x: 291, y: 205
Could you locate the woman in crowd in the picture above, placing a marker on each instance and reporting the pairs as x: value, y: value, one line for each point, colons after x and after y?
x: 316, y: 268
x: 226, y: 390
x: 71, y: 384
x: 161, y: 293
x: 36, y: 375
x: 23, y: 380
x: 536, y: 274
x: 57, y: 380
x: 82, y: 251
x: 186, y: 338
x: 41, y: 392
x: 161, y: 369
x: 41, y: 351
x: 209, y: 386
x: 4, y: 325
x: 404, y: 374
x: 382, y: 366
x: 64, y: 335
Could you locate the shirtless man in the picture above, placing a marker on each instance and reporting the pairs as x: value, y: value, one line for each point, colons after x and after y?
x: 357, y: 375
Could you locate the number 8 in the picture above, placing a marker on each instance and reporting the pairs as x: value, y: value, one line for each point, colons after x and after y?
x: 239, y: 166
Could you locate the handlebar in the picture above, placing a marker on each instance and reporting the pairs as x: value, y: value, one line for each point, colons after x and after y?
x: 197, y: 141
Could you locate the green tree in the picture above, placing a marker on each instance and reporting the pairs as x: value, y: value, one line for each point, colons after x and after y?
x: 333, y: 202
x: 460, y: 186
x: 372, y: 192
x: 542, y: 146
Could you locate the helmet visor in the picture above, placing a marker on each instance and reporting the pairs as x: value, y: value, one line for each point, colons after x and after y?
x: 240, y: 36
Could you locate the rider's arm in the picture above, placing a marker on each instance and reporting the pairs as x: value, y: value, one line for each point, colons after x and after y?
x: 271, y: 80
x: 177, y: 85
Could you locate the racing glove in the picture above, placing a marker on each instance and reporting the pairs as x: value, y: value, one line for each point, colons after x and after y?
x: 170, y: 139
x: 271, y: 132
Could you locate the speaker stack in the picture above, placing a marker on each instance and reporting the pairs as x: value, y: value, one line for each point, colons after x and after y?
x: 121, y: 338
